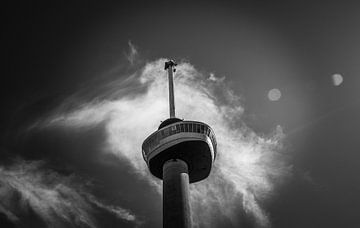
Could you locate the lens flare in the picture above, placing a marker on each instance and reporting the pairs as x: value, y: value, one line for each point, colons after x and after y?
x: 274, y: 94
x: 337, y: 79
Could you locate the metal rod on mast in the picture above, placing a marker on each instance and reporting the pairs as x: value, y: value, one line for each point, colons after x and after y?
x: 170, y: 67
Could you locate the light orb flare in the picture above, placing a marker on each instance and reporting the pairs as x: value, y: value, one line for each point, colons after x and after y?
x: 274, y: 94
x: 337, y: 79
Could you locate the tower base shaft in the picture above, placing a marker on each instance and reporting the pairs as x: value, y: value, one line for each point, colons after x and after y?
x: 176, y: 207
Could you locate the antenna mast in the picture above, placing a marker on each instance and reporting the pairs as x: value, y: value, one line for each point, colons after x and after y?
x: 170, y: 67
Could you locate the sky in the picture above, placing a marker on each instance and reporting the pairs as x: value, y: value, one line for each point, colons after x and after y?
x: 84, y: 85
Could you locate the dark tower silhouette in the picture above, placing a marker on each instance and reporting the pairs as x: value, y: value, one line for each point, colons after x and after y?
x: 179, y: 152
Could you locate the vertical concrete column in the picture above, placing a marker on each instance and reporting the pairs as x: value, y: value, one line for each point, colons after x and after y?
x: 176, y: 206
x: 171, y: 92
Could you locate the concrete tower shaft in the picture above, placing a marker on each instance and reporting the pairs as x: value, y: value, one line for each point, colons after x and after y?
x: 176, y: 206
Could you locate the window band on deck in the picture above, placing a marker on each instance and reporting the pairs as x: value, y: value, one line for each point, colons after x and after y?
x: 153, y: 141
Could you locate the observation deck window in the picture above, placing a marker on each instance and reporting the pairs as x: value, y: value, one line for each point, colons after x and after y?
x: 186, y: 127
x: 197, y: 128
x: 166, y: 132
x: 178, y: 130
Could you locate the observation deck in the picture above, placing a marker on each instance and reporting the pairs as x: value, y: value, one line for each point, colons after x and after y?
x: 191, y: 141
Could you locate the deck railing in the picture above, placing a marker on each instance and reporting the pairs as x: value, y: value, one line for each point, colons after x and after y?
x: 153, y: 140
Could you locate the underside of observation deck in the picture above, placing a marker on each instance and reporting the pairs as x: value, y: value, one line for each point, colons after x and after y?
x: 196, y: 154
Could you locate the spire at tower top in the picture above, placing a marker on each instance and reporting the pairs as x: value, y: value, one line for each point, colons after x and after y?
x: 170, y: 67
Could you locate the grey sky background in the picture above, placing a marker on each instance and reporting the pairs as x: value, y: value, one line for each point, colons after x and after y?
x: 67, y: 53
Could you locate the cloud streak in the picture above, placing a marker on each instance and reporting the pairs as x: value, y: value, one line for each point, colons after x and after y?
x: 132, y: 55
x: 59, y: 201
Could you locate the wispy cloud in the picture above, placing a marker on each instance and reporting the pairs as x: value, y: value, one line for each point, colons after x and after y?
x: 119, y: 212
x: 248, y: 167
x: 132, y: 54
x: 213, y: 78
x: 58, y: 200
